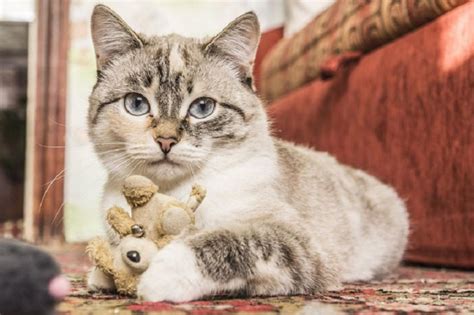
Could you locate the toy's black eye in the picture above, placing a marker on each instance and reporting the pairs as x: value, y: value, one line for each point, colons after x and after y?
x: 202, y: 107
x: 134, y: 256
x: 136, y: 104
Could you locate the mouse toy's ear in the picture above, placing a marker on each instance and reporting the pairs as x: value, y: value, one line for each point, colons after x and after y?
x: 138, y: 190
x: 122, y: 223
x: 99, y: 252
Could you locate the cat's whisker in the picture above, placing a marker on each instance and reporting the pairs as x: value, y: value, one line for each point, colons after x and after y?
x: 51, y: 146
x: 49, y: 185
x: 123, y: 164
x: 140, y: 153
x: 57, y: 122
x: 109, y: 142
x: 58, y: 211
x: 137, y: 164
x: 60, y: 175
x: 193, y: 176
x: 117, y: 162
x: 110, y: 151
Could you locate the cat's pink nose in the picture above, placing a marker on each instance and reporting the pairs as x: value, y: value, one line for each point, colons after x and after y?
x: 166, y: 143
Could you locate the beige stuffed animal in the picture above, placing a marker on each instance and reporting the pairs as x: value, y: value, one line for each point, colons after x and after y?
x: 155, y: 220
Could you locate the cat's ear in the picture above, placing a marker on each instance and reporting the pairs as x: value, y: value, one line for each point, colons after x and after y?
x: 111, y: 35
x: 238, y: 43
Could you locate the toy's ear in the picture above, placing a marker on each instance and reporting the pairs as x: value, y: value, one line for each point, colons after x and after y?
x: 138, y: 190
x: 99, y: 252
x: 120, y: 221
x: 137, y: 252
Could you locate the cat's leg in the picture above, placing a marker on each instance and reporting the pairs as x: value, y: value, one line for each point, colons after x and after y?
x: 260, y: 259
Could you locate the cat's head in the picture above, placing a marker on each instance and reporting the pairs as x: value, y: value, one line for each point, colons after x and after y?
x: 164, y: 106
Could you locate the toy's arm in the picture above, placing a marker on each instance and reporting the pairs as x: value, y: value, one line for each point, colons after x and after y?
x: 100, y: 253
x: 197, y: 196
x: 175, y: 218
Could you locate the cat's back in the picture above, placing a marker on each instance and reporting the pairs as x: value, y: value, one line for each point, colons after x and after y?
x: 334, y: 198
x: 314, y: 183
x: 309, y: 177
x: 304, y: 166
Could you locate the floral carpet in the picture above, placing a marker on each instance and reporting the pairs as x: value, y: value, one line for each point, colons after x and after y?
x: 409, y: 290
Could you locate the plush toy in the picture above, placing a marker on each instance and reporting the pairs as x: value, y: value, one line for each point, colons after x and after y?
x: 30, y: 280
x: 156, y: 218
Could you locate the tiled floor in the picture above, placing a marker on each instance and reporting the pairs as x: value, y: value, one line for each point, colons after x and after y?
x: 410, y: 290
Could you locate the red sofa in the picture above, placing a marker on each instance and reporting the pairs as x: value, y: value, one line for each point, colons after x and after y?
x: 404, y: 113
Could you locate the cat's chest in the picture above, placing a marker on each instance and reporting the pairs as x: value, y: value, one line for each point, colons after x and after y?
x: 224, y: 203
x: 233, y: 194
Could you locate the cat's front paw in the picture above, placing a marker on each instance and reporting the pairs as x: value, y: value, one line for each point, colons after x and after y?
x: 173, y: 276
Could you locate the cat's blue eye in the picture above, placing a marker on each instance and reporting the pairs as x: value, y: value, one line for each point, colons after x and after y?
x: 202, y: 107
x: 136, y: 104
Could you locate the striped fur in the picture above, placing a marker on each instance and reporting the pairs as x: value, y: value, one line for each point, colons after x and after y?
x: 278, y: 219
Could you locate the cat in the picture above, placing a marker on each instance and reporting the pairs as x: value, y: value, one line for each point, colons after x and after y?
x: 279, y: 219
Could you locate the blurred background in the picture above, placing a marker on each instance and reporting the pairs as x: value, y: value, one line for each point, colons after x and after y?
x: 46, y: 53
x: 385, y: 86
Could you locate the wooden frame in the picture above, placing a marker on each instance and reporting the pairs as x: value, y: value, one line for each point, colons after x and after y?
x: 44, y: 193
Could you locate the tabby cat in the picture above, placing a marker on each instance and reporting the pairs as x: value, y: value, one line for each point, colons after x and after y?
x: 279, y: 219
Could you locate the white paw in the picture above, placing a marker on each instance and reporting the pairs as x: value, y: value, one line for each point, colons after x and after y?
x: 174, y: 276
x: 99, y: 281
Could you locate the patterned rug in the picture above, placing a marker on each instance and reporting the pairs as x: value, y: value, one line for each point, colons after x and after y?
x: 409, y: 290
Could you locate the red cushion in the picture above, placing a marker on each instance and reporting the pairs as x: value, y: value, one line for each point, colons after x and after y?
x: 405, y: 113
x: 267, y: 41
